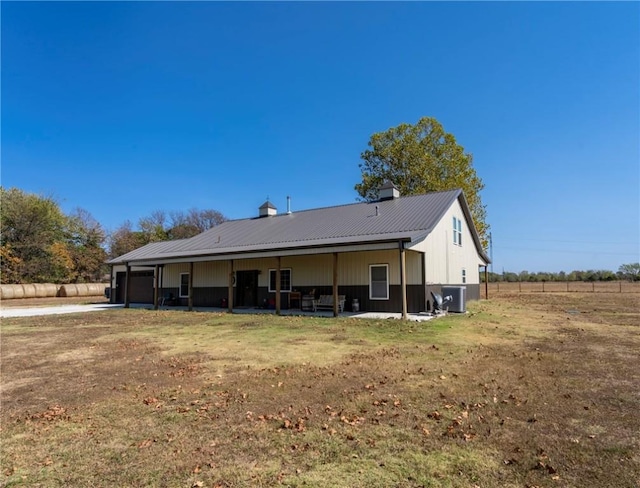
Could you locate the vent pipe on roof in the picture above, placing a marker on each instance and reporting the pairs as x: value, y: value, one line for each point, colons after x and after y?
x: 377, y: 213
x: 288, y: 204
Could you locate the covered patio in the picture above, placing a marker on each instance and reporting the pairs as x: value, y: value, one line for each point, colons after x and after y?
x: 414, y: 317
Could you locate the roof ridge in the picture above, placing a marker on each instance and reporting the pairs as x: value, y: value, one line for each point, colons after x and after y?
x: 401, y: 197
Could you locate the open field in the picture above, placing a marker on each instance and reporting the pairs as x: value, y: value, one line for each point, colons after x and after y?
x: 527, y: 390
x: 500, y: 288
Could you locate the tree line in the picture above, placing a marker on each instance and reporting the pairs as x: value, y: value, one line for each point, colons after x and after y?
x: 42, y: 244
x: 39, y: 243
x: 630, y: 272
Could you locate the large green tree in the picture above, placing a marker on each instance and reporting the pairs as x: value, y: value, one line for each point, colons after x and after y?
x: 40, y: 244
x: 422, y: 158
x: 31, y: 225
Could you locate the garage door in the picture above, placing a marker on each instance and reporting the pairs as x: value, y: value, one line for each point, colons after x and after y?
x: 140, y: 287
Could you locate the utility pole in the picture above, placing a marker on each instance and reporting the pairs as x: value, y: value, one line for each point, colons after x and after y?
x: 491, y: 251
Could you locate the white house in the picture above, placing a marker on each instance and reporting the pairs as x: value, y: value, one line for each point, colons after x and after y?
x: 388, y: 255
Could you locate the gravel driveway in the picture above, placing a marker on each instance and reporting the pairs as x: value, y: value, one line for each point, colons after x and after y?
x: 61, y: 309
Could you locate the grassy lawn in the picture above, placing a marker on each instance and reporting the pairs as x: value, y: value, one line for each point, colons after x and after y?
x: 531, y: 390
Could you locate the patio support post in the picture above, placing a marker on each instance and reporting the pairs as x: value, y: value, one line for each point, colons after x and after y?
x: 335, y: 284
x: 403, y: 278
x: 230, y: 290
x: 190, y: 299
x: 156, y: 280
x: 278, y: 290
x: 127, y: 282
x: 112, y: 288
x: 424, y: 280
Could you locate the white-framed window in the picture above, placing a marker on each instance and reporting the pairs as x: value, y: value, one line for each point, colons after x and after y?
x: 457, y: 231
x: 184, y: 285
x: 285, y: 280
x: 464, y: 275
x: 379, y: 281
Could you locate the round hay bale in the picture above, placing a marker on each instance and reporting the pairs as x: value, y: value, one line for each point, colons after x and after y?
x: 96, y: 289
x: 82, y: 290
x: 9, y: 292
x: 69, y: 290
x: 45, y: 290
x: 18, y: 291
x: 6, y: 293
x: 29, y: 290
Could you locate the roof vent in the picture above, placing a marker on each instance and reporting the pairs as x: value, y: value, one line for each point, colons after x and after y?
x: 388, y: 191
x: 267, y: 209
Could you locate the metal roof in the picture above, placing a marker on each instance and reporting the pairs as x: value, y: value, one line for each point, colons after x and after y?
x: 408, y: 218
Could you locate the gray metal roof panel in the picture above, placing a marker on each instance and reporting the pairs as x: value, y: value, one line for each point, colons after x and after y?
x: 411, y: 217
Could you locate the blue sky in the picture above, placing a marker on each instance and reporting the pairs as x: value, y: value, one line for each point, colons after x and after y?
x: 124, y: 108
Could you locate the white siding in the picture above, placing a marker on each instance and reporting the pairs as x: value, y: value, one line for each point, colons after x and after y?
x: 314, y: 270
x: 444, y: 260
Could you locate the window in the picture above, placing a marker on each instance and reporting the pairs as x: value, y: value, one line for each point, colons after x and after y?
x: 379, y: 282
x: 285, y: 280
x: 184, y: 285
x: 457, y: 231
x: 464, y: 275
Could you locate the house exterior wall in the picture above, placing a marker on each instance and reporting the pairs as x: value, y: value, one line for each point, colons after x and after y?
x: 210, y: 279
x: 306, y: 271
x: 445, y: 260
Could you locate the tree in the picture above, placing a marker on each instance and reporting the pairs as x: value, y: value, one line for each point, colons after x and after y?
x: 124, y: 239
x: 85, y: 238
x: 630, y: 271
x: 194, y: 222
x: 41, y: 244
x: 418, y: 159
x: 30, y: 226
x: 157, y: 227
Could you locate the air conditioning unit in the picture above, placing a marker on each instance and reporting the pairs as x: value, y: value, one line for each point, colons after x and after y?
x: 458, y: 301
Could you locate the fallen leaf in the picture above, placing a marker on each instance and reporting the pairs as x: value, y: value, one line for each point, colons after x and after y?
x: 145, y: 443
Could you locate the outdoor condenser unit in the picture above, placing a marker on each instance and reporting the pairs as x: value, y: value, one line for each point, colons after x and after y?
x: 459, y: 299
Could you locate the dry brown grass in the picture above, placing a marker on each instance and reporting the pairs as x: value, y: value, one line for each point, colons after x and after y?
x: 50, y: 301
x: 528, y: 390
x: 498, y: 289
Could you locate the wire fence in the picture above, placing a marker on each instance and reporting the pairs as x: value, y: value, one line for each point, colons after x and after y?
x: 498, y: 288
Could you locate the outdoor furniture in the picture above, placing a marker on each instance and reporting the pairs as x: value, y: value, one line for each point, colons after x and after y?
x: 295, y: 296
x: 307, y: 303
x: 325, y: 302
